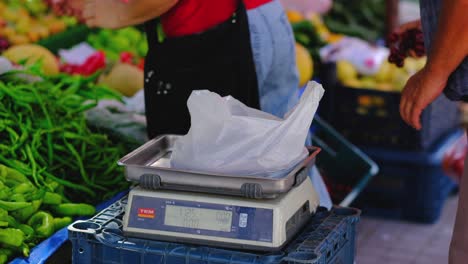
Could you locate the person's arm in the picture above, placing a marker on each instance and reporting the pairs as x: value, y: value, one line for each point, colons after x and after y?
x: 450, y: 44
x: 117, y: 14
x: 449, y: 48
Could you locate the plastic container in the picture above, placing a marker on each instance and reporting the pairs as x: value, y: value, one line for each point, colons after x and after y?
x: 371, y: 118
x: 40, y: 253
x: 329, y: 238
x: 148, y: 165
x: 345, y: 169
x: 411, y: 185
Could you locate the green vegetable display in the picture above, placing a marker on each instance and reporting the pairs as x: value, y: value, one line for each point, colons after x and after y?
x: 114, y: 42
x: 21, y: 226
x: 306, y: 34
x: 44, y: 135
x: 358, y: 18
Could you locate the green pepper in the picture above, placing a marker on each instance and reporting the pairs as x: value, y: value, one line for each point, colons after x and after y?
x: 11, y: 237
x: 4, y: 193
x: 24, y: 187
x: 27, y: 230
x: 12, y: 206
x: 60, y: 223
x: 10, y: 220
x: 71, y: 209
x: 25, y: 250
x: 16, y: 176
x: 25, y: 213
x: 17, y: 197
x: 3, y: 172
x: 42, y: 223
x: 3, y: 212
x: 3, y: 224
x: 52, y: 198
x: 5, y: 253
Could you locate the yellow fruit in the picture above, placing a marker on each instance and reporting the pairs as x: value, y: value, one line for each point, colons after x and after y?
x: 353, y: 83
x: 368, y: 83
x: 385, y: 72
x: 323, y: 31
x: 420, y: 63
x: 124, y: 78
x: 399, y: 80
x: 316, y: 19
x: 33, y: 36
x: 333, y: 38
x: 294, y: 16
x: 33, y: 53
x: 304, y: 63
x: 410, y: 65
x: 387, y: 87
x: 345, y: 71
x: 18, y: 39
x: 57, y: 27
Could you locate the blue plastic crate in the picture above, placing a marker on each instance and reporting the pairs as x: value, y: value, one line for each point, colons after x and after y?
x: 328, y: 239
x: 411, y: 185
x: 40, y: 253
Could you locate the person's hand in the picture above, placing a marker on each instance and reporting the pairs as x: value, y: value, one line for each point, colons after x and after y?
x: 420, y: 90
x: 118, y: 13
x: 67, y: 7
x: 416, y: 24
x: 102, y: 13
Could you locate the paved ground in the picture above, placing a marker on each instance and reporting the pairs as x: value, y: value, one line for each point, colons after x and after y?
x: 392, y: 242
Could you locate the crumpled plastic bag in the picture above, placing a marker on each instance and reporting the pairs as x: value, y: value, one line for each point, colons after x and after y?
x: 365, y: 57
x: 114, y: 117
x: 227, y: 137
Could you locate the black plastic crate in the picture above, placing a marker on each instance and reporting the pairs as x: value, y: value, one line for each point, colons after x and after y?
x: 411, y: 185
x: 371, y: 118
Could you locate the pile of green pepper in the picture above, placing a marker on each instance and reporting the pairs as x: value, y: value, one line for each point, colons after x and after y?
x: 44, y: 135
x: 29, y: 214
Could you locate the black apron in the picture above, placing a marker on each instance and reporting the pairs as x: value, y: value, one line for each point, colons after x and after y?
x: 219, y: 60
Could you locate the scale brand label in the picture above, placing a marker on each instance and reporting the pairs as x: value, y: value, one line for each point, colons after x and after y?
x: 146, y: 213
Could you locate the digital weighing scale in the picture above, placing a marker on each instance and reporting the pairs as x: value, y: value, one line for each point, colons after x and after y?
x: 240, y: 212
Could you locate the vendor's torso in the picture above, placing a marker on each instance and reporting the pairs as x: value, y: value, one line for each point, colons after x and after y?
x: 195, y: 16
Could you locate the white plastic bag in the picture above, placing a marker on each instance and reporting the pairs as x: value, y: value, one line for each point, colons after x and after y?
x: 228, y: 137
x: 365, y: 57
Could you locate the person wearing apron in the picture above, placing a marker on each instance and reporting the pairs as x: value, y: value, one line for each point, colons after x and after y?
x: 242, y: 48
x: 446, y: 40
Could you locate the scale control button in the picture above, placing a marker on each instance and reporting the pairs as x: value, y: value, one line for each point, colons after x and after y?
x: 243, y: 220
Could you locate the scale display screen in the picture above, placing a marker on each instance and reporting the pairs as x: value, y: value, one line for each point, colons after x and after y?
x: 193, y: 218
x: 199, y: 218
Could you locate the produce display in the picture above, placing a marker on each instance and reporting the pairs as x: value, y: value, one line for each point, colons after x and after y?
x: 124, y: 78
x: 44, y: 135
x: 364, y: 19
x: 408, y: 44
x: 311, y: 35
x: 27, y: 21
x: 116, y: 42
x: 31, y: 54
x: 389, y: 77
x: 30, y: 213
x: 94, y: 63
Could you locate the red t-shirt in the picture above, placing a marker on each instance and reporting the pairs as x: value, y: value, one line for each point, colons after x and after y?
x: 194, y: 16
